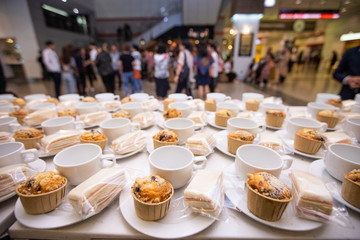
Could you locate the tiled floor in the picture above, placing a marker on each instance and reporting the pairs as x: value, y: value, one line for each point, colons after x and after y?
x: 300, y: 87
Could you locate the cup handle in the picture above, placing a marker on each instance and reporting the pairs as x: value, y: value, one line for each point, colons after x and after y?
x: 34, y: 155
x: 324, y: 127
x: 107, y: 157
x: 81, y: 98
x: 79, y: 125
x: 227, y: 98
x: 262, y: 128
x: 200, y: 162
x: 287, y: 162
x: 135, y: 126
x: 199, y: 127
x: 189, y: 98
x: 116, y: 98
x: 14, y: 126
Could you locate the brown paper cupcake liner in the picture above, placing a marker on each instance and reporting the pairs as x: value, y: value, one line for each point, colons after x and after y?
x: 211, y: 107
x: 151, y: 211
x: 221, y: 120
x: 158, y: 144
x: 331, y: 121
x: 234, y: 144
x: 306, y: 145
x: 252, y: 106
x: 264, y: 207
x: 101, y: 144
x: 350, y: 191
x: 42, y: 203
x: 30, y: 142
x: 274, y: 121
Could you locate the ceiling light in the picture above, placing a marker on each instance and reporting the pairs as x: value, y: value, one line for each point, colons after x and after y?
x: 230, y: 47
x: 76, y: 11
x: 347, y: 2
x: 197, y: 42
x: 269, y: 3
x: 343, y: 10
x: 322, y: 2
x: 169, y: 42
x: 350, y: 36
x: 9, y: 40
x: 246, y: 30
x: 55, y: 10
x: 64, y: 0
x: 142, y: 42
x: 298, y: 2
x: 232, y: 31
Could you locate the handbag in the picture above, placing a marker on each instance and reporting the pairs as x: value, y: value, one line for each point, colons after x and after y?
x: 185, y: 71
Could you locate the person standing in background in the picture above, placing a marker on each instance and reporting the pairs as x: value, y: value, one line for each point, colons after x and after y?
x: 103, y: 63
x: 2, y: 79
x: 115, y: 55
x: 149, y: 59
x: 185, y: 53
x: 91, y: 68
x: 51, y: 61
x: 162, y: 60
x: 204, y: 64
x: 137, y: 67
x: 348, y: 73
x: 80, y: 60
x: 45, y: 74
x: 67, y: 70
x: 126, y: 63
x: 214, y: 72
x: 283, y: 64
x: 332, y: 61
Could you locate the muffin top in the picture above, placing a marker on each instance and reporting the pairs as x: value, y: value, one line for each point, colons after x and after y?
x: 52, y: 100
x: 28, y: 133
x: 327, y: 113
x: 92, y: 135
x: 354, y: 176
x: 121, y: 114
x: 67, y: 112
x: 172, y: 113
x: 166, y: 136
x: 224, y: 113
x: 334, y: 101
x: 242, y: 135
x: 89, y: 99
x: 210, y: 100
x: 126, y: 100
x: 311, y: 134
x: 169, y: 100
x: 152, y: 189
x: 41, y: 183
x: 253, y: 100
x: 18, y: 101
x: 275, y: 112
x: 268, y: 185
x: 19, y: 113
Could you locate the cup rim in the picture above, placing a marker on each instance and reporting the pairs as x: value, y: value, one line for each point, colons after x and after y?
x: 323, y: 105
x: 12, y: 143
x: 259, y: 146
x: 172, y: 146
x: 179, y: 119
x: 76, y: 146
x: 242, y: 119
x: 71, y: 119
x: 101, y: 125
x: 350, y: 120
x: 337, y: 155
x: 306, y: 119
x: 11, y: 119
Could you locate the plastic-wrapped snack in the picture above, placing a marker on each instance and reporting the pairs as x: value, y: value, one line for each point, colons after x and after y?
x: 204, y: 194
x: 129, y: 142
x: 145, y: 119
x: 201, y: 144
x: 6, y: 137
x: 196, y: 104
x: 199, y: 117
x: 312, y: 198
x: 95, y: 118
x: 11, y: 176
x: 110, y: 105
x: 151, y: 104
x: 56, y: 142
x: 270, y: 140
x: 336, y: 137
x: 98, y: 191
x: 39, y: 116
x: 67, y: 105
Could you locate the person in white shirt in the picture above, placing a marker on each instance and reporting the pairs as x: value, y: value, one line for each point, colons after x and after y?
x: 92, y: 68
x: 51, y: 61
x: 214, y: 68
x: 185, y: 53
x: 137, y: 67
x: 115, y: 55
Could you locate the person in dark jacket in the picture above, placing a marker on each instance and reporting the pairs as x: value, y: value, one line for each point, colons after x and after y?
x: 104, y: 66
x: 348, y: 73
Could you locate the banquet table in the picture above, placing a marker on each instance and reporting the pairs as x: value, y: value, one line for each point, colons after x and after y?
x: 111, y: 224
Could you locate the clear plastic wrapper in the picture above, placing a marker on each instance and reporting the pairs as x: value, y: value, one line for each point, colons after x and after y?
x: 60, y: 140
x: 336, y: 137
x: 273, y: 141
x: 313, y: 200
x: 145, y: 119
x: 201, y: 144
x: 4, y: 114
x: 6, y: 137
x: 94, y: 118
x: 67, y: 105
x: 110, y: 105
x: 196, y: 104
x: 129, y: 142
x: 11, y: 176
x: 39, y: 116
x: 98, y: 191
x: 151, y: 104
x: 199, y: 117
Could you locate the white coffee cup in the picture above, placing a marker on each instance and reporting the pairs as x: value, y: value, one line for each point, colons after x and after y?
x: 324, y: 97
x: 42, y: 106
x: 295, y: 124
x: 180, y: 97
x: 352, y: 127
x: 8, y: 107
x: 250, y: 95
x: 140, y: 97
x: 175, y: 164
x: 218, y: 97
x: 87, y: 107
x: 267, y: 106
x: 7, y: 97
x: 70, y: 97
x: 37, y: 96
x: 313, y: 108
x: 341, y: 158
x: 184, y: 108
x: 249, y: 125
x: 256, y: 158
x: 232, y: 107
x: 116, y: 127
x: 183, y: 127
x: 133, y: 108
x: 9, y: 124
x: 79, y: 162
x: 106, y: 97
x: 15, y: 153
x: 356, y: 108
x: 54, y: 125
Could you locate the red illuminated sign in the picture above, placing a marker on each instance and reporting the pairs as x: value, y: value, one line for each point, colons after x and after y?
x: 309, y: 15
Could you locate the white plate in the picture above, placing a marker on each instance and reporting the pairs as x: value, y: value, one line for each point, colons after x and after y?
x: 273, y: 128
x: 211, y: 118
x: 171, y: 226
x: 289, y: 144
x: 318, y: 168
x: 288, y: 221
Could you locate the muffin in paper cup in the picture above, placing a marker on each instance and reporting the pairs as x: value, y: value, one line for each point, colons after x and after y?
x: 274, y: 121
x: 252, y: 106
x: 101, y: 143
x: 350, y: 191
x: 264, y: 207
x: 151, y: 211
x: 30, y: 142
x: 211, y: 107
x: 331, y: 121
x: 42, y: 203
x: 221, y: 120
x: 306, y: 145
x: 158, y: 143
x: 234, y: 144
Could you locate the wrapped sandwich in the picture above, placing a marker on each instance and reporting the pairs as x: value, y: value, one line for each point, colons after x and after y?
x: 129, y: 142
x: 39, y: 116
x: 56, y: 142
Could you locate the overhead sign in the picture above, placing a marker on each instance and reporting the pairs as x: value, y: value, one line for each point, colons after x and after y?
x: 309, y: 15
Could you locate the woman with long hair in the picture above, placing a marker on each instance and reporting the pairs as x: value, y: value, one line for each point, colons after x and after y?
x: 68, y: 67
x: 203, y: 62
